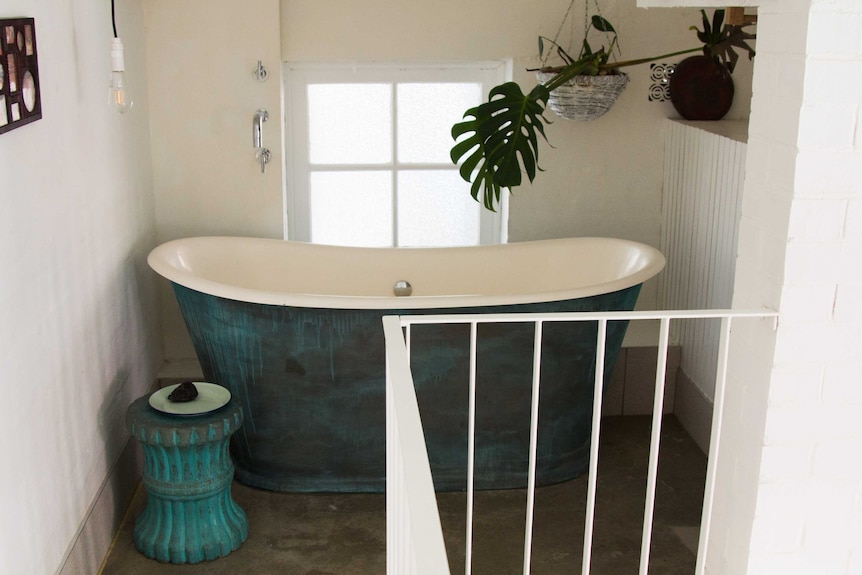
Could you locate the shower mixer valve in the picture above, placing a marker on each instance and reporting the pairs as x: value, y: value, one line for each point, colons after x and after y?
x: 262, y: 155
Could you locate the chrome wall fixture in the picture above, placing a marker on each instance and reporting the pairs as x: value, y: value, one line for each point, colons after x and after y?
x: 262, y: 155
x: 260, y: 72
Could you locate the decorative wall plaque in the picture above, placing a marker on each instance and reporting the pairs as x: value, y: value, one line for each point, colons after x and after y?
x: 20, y: 96
x: 660, y: 74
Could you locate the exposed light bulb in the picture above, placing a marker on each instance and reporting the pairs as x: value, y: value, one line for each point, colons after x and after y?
x: 121, y: 99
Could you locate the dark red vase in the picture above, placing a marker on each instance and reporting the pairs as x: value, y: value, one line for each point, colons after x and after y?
x: 701, y: 89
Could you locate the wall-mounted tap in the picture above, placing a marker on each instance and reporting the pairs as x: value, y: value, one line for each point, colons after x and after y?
x: 260, y: 72
x: 262, y: 155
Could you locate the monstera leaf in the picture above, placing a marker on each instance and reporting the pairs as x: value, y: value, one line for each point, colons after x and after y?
x: 504, y: 135
x: 502, y: 130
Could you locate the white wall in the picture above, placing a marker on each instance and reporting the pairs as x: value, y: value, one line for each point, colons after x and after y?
x: 604, y: 178
x: 79, y: 334
x: 200, y: 56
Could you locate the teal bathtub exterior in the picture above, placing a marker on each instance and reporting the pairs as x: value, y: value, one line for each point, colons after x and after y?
x: 311, y: 381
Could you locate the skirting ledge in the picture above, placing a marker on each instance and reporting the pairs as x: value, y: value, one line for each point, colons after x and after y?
x: 693, y: 410
x: 101, y: 524
x: 105, y: 516
x: 631, y: 388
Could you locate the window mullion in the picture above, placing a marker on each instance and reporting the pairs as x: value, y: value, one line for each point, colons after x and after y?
x: 394, y: 172
x: 349, y: 167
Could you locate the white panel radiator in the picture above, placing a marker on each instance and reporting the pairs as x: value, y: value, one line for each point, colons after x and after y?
x: 703, y: 178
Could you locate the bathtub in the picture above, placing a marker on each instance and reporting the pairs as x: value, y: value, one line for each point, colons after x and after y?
x: 294, y: 331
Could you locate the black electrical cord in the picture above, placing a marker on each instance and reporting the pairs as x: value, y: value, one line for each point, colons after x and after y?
x: 113, y: 18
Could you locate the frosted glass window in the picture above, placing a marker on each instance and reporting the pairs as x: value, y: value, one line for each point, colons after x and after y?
x: 350, y: 123
x: 435, y: 209
x: 367, y: 154
x: 351, y: 208
x: 426, y: 113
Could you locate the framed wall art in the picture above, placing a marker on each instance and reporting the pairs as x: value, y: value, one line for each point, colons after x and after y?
x: 20, y: 96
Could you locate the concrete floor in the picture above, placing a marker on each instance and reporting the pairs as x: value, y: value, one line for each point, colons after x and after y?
x: 339, y: 534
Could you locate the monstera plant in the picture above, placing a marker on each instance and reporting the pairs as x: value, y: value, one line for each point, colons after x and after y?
x: 503, y: 134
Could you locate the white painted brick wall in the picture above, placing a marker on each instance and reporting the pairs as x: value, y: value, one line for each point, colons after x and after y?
x: 796, y: 451
x: 842, y: 40
x: 786, y: 462
x: 778, y: 531
x: 792, y: 564
x: 848, y: 301
x: 795, y: 384
x: 831, y: 529
x: 817, y: 219
x: 803, y: 423
x: 831, y: 461
x: 841, y: 383
x: 808, y: 302
x: 780, y: 29
x: 851, y: 271
x: 828, y: 173
x: 833, y: 79
x: 826, y: 124
x: 853, y: 222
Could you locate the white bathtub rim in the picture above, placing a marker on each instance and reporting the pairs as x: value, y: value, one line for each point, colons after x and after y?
x: 165, y: 261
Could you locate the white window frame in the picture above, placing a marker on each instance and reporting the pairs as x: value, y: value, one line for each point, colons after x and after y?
x: 298, y: 76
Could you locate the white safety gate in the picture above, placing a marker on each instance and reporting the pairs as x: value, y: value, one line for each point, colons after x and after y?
x: 414, y: 537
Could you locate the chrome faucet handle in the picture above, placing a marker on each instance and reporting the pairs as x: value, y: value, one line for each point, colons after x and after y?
x: 259, y: 118
x: 263, y: 156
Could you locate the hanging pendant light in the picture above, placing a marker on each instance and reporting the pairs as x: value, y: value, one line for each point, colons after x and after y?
x: 121, y: 99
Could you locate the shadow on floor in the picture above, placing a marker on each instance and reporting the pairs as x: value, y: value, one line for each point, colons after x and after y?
x: 344, y: 534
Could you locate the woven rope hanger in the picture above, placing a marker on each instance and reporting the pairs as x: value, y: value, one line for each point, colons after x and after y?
x: 586, y: 25
x: 584, y: 98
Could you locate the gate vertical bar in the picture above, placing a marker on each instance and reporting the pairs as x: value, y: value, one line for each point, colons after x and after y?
x: 407, y: 330
x: 395, y: 502
x: 534, y: 436
x: 414, y: 535
x: 712, y: 462
x: 601, y: 338
x: 471, y: 449
x: 655, y: 442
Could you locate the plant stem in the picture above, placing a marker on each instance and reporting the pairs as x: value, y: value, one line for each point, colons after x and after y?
x: 645, y: 60
x: 567, y: 73
x: 578, y: 67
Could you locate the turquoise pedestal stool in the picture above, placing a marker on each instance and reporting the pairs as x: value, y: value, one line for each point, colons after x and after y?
x: 190, y: 514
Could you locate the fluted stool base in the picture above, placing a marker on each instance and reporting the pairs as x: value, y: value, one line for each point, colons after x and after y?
x: 190, y: 514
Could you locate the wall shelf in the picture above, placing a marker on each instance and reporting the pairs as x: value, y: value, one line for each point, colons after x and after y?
x: 736, y: 130
x: 694, y: 3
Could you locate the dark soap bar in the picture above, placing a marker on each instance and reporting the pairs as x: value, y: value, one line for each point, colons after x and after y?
x: 185, y: 391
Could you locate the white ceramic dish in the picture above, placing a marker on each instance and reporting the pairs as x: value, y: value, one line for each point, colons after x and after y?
x: 210, y: 397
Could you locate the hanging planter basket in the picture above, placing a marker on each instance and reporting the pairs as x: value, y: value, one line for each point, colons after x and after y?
x: 585, y: 98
